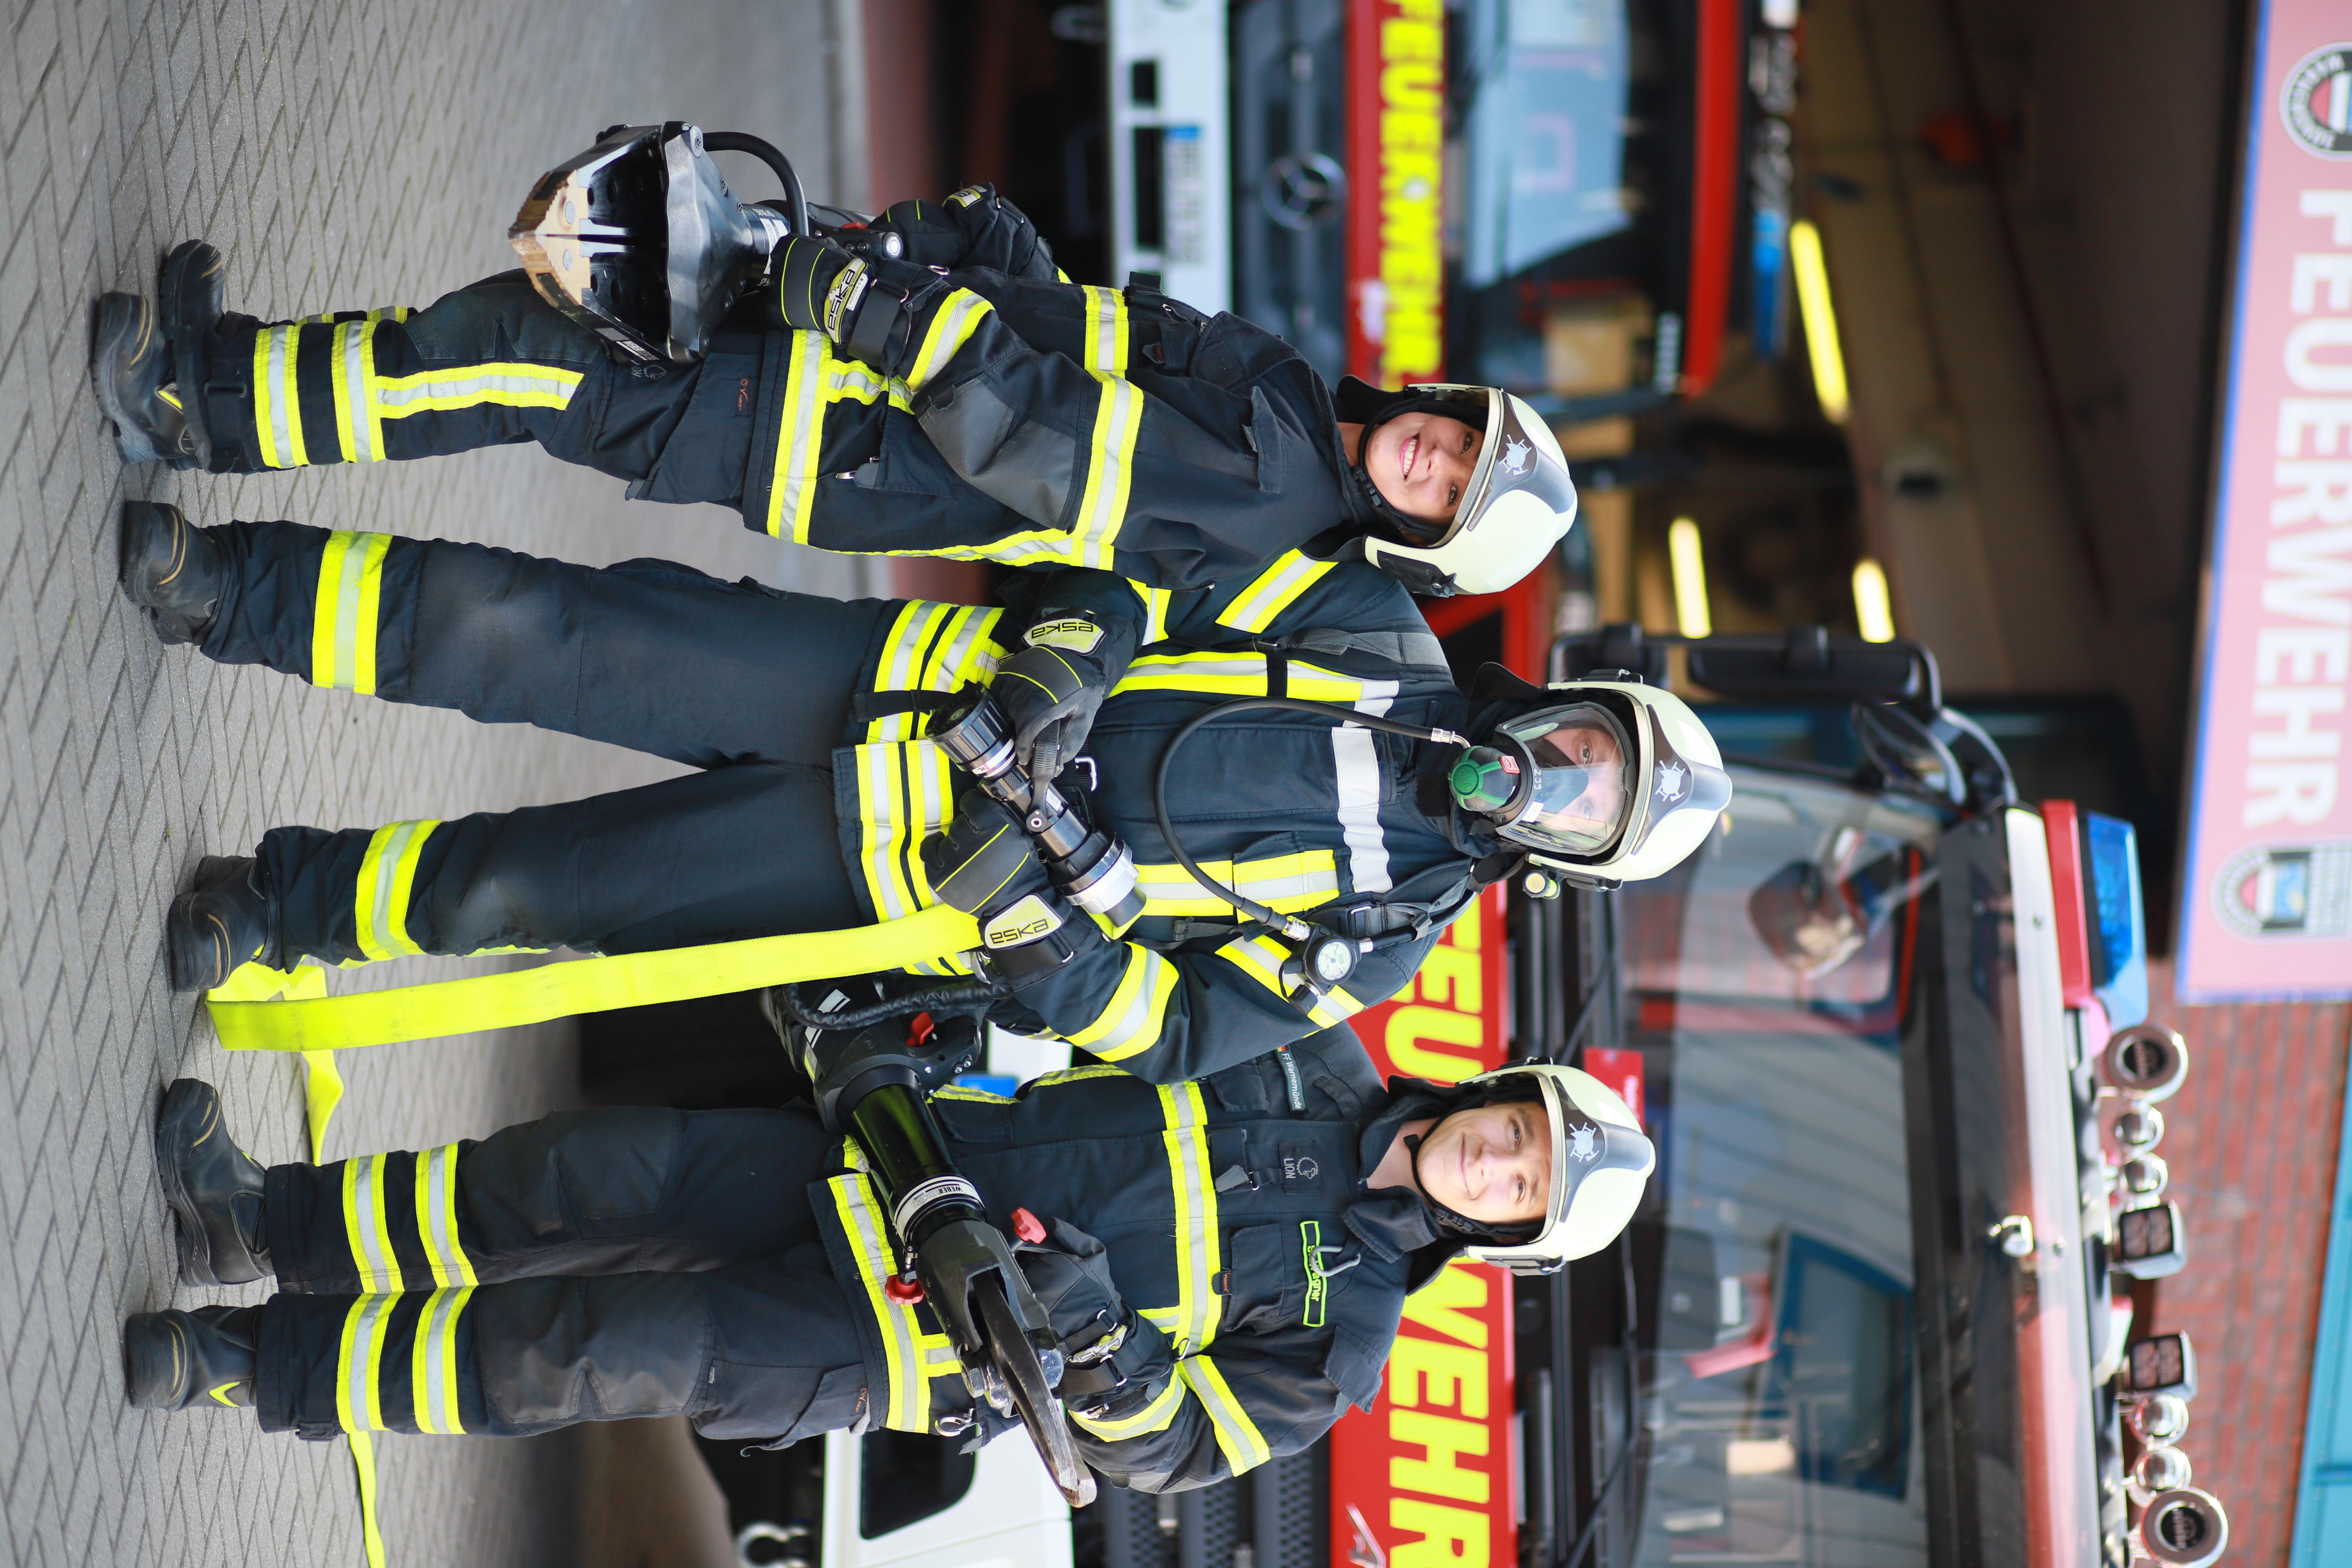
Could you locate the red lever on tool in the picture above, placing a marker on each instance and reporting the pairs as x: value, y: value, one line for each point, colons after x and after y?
x: 904, y: 1288
x: 1028, y: 1227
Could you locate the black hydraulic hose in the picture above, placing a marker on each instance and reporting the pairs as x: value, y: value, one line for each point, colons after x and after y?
x: 1241, y: 903
x: 962, y: 997
x: 795, y: 200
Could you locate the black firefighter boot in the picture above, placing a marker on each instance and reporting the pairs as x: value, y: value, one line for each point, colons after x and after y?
x: 148, y: 362
x: 213, y: 1186
x: 173, y: 1360
x: 222, y: 921
x: 170, y: 568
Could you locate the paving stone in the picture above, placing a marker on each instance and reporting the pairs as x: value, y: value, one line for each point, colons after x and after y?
x: 349, y: 155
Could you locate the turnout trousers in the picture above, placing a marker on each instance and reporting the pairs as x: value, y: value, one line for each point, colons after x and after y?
x: 749, y: 685
x: 494, y: 364
x: 592, y: 1265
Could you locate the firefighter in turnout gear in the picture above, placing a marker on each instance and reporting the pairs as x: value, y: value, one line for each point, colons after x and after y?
x: 1225, y: 1262
x: 806, y: 719
x: 1000, y: 413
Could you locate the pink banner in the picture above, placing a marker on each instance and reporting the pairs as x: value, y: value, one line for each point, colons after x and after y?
x: 2266, y: 905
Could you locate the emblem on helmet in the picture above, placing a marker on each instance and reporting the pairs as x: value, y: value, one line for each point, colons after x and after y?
x: 1674, y: 781
x: 1582, y: 1145
x: 1517, y: 455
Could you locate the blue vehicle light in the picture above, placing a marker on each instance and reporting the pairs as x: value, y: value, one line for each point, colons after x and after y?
x: 1003, y: 1083
x: 2118, y: 927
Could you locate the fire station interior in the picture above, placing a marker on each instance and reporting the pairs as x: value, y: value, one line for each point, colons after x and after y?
x: 2005, y: 463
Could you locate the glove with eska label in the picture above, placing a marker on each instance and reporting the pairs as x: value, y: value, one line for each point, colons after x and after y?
x: 985, y: 865
x: 1116, y: 1358
x: 865, y: 304
x: 1051, y: 691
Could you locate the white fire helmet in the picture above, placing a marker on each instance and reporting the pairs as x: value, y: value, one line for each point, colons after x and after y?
x: 1520, y: 501
x: 1600, y: 1161
x: 1613, y: 781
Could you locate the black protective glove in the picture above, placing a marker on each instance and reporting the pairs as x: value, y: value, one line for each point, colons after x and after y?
x: 973, y: 228
x: 1116, y: 1356
x: 805, y: 269
x: 986, y: 866
x: 1050, y: 695
x: 867, y: 304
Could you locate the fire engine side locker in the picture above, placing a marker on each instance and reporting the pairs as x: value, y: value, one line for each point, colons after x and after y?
x: 1171, y: 147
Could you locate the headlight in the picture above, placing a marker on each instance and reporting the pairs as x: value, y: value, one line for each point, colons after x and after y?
x: 2160, y: 1363
x: 2149, y: 1242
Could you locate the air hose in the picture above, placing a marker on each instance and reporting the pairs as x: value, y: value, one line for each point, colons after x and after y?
x: 1290, y: 926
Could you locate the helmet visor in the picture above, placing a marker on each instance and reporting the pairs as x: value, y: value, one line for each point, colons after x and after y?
x: 1581, y: 790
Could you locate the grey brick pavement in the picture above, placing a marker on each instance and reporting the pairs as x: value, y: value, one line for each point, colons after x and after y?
x: 345, y: 155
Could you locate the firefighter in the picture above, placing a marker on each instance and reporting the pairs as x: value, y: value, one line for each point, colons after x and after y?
x: 821, y: 804
x: 993, y: 412
x: 1225, y: 1262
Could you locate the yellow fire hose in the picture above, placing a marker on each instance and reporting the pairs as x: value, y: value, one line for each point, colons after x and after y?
x: 259, y: 1009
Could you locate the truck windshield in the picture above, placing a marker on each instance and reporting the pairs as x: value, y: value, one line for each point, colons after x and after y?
x: 1769, y: 985
x: 1559, y: 106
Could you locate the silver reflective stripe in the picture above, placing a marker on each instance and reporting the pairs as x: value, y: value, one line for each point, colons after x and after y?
x: 905, y: 1353
x: 951, y: 658
x: 439, y: 1221
x: 379, y: 1269
x: 356, y: 337
x: 282, y: 393
x: 804, y: 405
x: 434, y: 1376
x: 348, y: 584
x: 388, y: 925
x: 461, y: 391
x: 362, y: 1405
x: 1196, y: 1217
x: 1355, y: 761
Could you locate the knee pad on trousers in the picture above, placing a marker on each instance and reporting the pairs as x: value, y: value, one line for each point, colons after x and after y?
x: 501, y: 317
x: 588, y: 1167
x: 553, y: 1351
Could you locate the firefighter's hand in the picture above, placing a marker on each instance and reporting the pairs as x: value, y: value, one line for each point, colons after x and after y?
x: 1114, y: 1354
x: 983, y: 862
x: 806, y: 272
x: 1050, y: 693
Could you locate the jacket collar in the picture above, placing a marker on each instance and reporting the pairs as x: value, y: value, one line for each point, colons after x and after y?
x: 1394, y: 1221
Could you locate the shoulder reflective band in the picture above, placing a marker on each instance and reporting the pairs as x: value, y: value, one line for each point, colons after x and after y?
x: 589, y: 986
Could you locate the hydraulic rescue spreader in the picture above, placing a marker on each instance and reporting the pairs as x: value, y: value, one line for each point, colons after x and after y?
x: 873, y: 1083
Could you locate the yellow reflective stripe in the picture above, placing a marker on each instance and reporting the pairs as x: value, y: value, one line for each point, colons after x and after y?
x: 345, y: 610
x: 1118, y: 419
x: 962, y: 1091
x: 387, y: 878
x: 1106, y: 330
x: 436, y: 1216
x: 1217, y: 674
x: 1244, y: 1446
x: 1079, y: 1075
x: 1287, y: 882
x: 1261, y: 958
x: 1199, y: 1250
x: 800, y: 432
x: 504, y: 385
x: 359, y: 1363
x: 1273, y: 591
x: 952, y: 325
x: 906, y: 792
x: 433, y: 1362
x: 1153, y: 1417
x: 1131, y: 1022
x: 359, y: 430
x: 1156, y: 604
x: 365, y: 1229
x: 931, y: 647
x: 276, y: 405
x: 907, y: 1403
